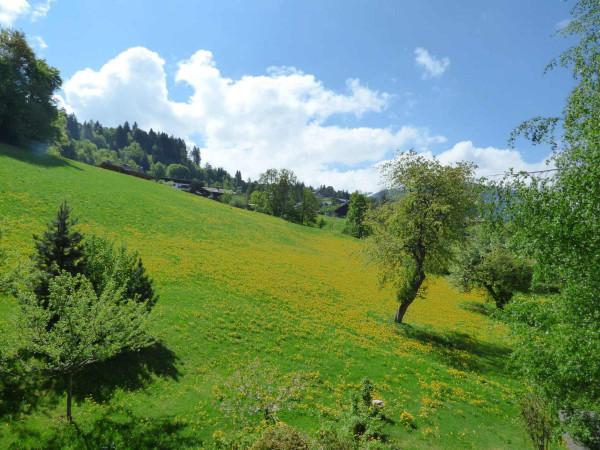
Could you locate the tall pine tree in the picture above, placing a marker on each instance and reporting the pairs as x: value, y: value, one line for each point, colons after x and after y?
x: 58, y: 249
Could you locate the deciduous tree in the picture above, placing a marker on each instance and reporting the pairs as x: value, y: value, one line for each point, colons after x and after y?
x: 416, y: 234
x: 556, y: 221
x: 88, y: 328
x: 27, y: 85
x: 485, y: 262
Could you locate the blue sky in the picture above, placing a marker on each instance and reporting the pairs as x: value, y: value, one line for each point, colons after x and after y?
x: 350, y: 81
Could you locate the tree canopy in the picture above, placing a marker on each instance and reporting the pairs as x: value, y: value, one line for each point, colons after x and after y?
x: 87, y: 329
x: 417, y: 233
x: 27, y: 85
x: 356, y: 219
x: 556, y: 223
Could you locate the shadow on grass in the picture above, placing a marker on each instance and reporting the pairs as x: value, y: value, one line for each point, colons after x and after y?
x: 478, y: 307
x: 25, y: 388
x: 20, y: 387
x: 460, y: 350
x: 128, y: 371
x: 35, y: 157
x: 113, y: 429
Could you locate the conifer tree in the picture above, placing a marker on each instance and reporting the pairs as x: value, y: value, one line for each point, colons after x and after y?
x: 58, y: 249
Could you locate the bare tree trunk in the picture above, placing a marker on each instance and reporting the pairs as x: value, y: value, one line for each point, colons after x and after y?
x: 402, y: 308
x: 407, y: 297
x: 69, y: 397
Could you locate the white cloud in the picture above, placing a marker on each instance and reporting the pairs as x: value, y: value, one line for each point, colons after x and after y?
x: 490, y: 160
x: 39, y: 42
x: 277, y: 119
x: 41, y: 9
x: 432, y: 66
x: 10, y: 10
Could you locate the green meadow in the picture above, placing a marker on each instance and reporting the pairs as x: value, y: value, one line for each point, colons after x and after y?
x: 238, y: 287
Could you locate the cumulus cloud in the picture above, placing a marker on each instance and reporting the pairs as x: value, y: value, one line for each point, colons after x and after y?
x: 282, y: 118
x: 11, y: 10
x: 489, y: 160
x: 432, y: 66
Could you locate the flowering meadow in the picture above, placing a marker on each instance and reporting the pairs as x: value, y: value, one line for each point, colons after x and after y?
x: 237, y: 287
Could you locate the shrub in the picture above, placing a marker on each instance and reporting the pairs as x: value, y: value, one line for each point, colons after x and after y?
x: 258, y: 391
x: 537, y: 420
x: 359, y: 428
x: 105, y: 264
x: 237, y: 202
x: 178, y: 171
x: 225, y: 198
x: 281, y: 437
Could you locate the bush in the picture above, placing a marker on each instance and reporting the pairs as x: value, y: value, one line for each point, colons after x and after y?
x: 362, y: 427
x: 584, y: 426
x: 257, y: 391
x: 237, y: 202
x: 281, y: 437
x: 226, y: 198
x: 105, y: 263
x: 178, y: 171
x: 538, y: 420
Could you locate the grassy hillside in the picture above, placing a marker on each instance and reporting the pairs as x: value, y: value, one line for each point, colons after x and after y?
x: 236, y: 285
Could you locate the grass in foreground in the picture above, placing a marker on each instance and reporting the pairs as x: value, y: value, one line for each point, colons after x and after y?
x: 237, y: 285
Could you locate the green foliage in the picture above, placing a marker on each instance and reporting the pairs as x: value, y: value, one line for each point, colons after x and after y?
x: 58, y: 249
x: 178, y: 171
x: 279, y: 186
x: 485, y: 262
x: 238, y: 201
x: 196, y: 186
x: 195, y: 153
x: 309, y: 207
x: 538, y: 420
x: 86, y: 328
x: 158, y: 170
x: 258, y: 391
x: 109, y: 267
x: 134, y: 153
x: 281, y: 437
x: 27, y: 84
x: 226, y: 198
x: 259, y: 201
x: 555, y: 221
x: 361, y: 427
x: 3, y: 281
x: 356, y: 220
x: 419, y: 231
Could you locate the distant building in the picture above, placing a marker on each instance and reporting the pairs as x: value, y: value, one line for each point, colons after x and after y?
x: 213, y: 193
x: 181, y: 186
x: 341, y: 211
x: 124, y: 169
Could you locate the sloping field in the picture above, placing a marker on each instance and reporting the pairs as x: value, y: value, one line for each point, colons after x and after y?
x: 235, y: 286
